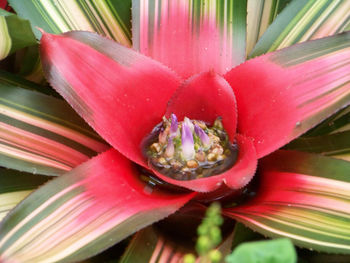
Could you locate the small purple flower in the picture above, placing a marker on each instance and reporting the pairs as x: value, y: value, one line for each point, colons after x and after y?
x: 202, y: 135
x: 174, y: 126
x: 188, y: 151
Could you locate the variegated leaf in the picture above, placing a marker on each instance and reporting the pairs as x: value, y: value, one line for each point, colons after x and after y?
x: 106, y: 17
x: 260, y: 14
x: 41, y: 134
x: 83, y: 212
x: 304, y: 197
x: 304, y: 20
x: 15, y: 186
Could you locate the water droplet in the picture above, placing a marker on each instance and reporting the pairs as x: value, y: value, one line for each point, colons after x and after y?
x: 147, y: 99
x: 34, y: 170
x: 298, y: 124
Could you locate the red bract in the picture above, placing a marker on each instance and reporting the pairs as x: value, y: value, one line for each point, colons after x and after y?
x: 136, y: 94
x: 123, y: 95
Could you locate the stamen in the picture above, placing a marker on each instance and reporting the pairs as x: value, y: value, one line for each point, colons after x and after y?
x: 170, y: 149
x: 187, y: 142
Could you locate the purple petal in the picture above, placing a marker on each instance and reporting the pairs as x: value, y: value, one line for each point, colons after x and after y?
x: 187, y: 142
x: 202, y: 135
x: 189, y: 123
x: 174, y: 125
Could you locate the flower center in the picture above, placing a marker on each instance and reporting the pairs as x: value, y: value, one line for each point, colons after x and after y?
x: 190, y: 149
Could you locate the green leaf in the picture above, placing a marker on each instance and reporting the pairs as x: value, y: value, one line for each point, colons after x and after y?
x: 304, y: 197
x: 260, y: 15
x: 244, y: 234
x: 107, y: 17
x: 15, y: 33
x: 272, y: 251
x: 191, y: 36
x: 304, y: 20
x: 15, y: 186
x: 39, y: 133
x: 28, y: 65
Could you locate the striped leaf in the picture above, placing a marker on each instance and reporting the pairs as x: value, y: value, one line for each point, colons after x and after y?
x: 149, y: 245
x: 107, y: 17
x: 338, y: 122
x: 260, y: 15
x: 191, y: 36
x: 304, y: 197
x: 41, y: 134
x: 10, y: 79
x: 15, y: 186
x: 83, y: 212
x: 304, y: 20
x: 15, y: 33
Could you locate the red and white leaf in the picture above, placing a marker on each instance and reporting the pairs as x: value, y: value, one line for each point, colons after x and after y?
x: 119, y: 92
x: 283, y: 94
x: 84, y: 212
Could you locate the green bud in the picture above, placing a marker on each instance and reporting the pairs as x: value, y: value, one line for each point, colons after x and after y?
x: 215, y: 235
x: 214, y: 209
x: 189, y: 258
x: 203, y: 244
x: 217, y: 220
x: 215, y: 256
x: 203, y: 229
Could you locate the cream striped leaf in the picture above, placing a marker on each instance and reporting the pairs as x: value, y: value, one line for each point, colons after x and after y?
x: 15, y: 33
x: 15, y: 186
x: 304, y: 20
x: 260, y: 15
x: 106, y: 17
x: 42, y: 134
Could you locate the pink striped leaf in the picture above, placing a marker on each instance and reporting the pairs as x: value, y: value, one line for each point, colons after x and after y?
x: 39, y: 133
x: 283, y: 94
x: 80, y: 214
x: 191, y: 36
x: 304, y: 197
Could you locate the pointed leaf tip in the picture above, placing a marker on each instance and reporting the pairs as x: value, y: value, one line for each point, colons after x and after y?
x: 40, y: 29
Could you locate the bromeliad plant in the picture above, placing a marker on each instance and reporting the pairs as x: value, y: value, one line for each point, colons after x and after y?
x: 186, y: 123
